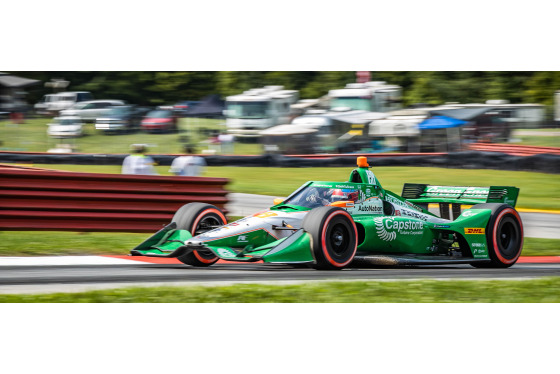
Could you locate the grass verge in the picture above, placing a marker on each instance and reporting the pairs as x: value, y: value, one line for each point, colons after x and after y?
x: 538, y: 190
x: 56, y: 243
x: 543, y: 290
x: 32, y: 137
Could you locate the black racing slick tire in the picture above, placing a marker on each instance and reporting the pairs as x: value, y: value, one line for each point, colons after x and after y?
x: 504, y: 235
x: 334, y: 237
x: 198, y: 218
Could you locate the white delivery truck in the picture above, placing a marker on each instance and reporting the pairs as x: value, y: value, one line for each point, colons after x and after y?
x: 369, y: 96
x: 54, y: 103
x: 257, y: 109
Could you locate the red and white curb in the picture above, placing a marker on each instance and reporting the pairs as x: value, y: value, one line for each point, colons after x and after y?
x: 135, y: 260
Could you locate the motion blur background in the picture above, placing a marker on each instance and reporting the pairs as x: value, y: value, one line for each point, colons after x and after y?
x: 289, y: 112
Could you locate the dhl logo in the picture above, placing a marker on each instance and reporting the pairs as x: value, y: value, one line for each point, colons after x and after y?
x: 474, y: 230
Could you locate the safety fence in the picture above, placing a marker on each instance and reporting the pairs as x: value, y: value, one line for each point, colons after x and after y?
x: 515, y: 150
x: 546, y: 162
x: 35, y: 199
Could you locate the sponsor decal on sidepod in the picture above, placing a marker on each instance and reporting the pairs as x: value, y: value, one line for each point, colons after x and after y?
x: 387, y: 228
x: 475, y: 230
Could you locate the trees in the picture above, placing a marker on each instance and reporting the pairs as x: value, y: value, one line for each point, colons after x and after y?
x: 157, y: 88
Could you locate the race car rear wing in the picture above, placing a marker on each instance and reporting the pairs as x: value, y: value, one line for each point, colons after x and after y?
x: 425, y: 193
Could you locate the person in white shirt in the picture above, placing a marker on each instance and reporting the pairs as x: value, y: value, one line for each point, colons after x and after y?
x: 137, y: 162
x: 189, y: 165
x: 226, y: 143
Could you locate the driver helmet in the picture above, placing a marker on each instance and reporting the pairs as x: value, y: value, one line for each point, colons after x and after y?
x: 338, y: 195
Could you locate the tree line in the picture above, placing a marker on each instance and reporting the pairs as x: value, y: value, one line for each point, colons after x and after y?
x: 429, y: 87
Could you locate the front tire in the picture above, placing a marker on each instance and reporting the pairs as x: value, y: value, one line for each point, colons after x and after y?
x: 334, y: 237
x: 504, y: 235
x: 198, y: 218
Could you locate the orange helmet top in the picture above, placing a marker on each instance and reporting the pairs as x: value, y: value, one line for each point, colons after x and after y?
x: 362, y: 162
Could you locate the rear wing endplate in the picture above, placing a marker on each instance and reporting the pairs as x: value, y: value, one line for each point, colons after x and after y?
x: 425, y: 193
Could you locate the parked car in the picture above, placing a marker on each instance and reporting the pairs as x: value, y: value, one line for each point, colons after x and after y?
x: 161, y: 120
x: 121, y: 119
x: 89, y: 111
x: 42, y: 106
x: 54, y: 103
x: 65, y: 127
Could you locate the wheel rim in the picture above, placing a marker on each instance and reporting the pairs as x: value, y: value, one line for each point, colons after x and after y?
x: 206, y: 224
x: 340, y: 239
x: 508, y: 238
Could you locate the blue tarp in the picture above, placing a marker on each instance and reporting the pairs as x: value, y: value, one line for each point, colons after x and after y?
x: 440, y: 122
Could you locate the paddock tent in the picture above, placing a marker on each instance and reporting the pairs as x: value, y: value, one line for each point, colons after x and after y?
x: 441, y: 134
x: 440, y: 122
x: 209, y: 107
x: 11, y: 91
x: 464, y: 114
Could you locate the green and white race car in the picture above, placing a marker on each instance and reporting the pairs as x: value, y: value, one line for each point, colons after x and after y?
x: 332, y: 225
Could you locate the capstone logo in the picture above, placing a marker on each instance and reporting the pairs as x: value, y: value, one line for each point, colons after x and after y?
x: 387, y: 228
x: 382, y: 231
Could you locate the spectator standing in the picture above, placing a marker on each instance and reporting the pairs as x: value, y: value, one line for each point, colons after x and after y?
x: 226, y: 142
x: 190, y: 165
x: 137, y: 162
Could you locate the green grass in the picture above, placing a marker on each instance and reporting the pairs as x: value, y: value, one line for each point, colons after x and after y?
x: 544, y: 290
x: 547, y: 139
x: 541, y: 247
x: 50, y: 243
x: 32, y: 137
x: 538, y: 190
x: 539, y: 141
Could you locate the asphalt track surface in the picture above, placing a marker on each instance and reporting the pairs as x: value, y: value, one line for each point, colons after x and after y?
x: 71, y: 278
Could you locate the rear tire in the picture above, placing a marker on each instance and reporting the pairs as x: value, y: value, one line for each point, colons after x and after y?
x: 334, y: 237
x: 504, y: 236
x: 198, y: 218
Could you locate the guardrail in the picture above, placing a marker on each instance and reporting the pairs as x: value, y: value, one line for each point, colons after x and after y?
x: 489, y: 158
x: 515, y: 150
x: 35, y: 199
